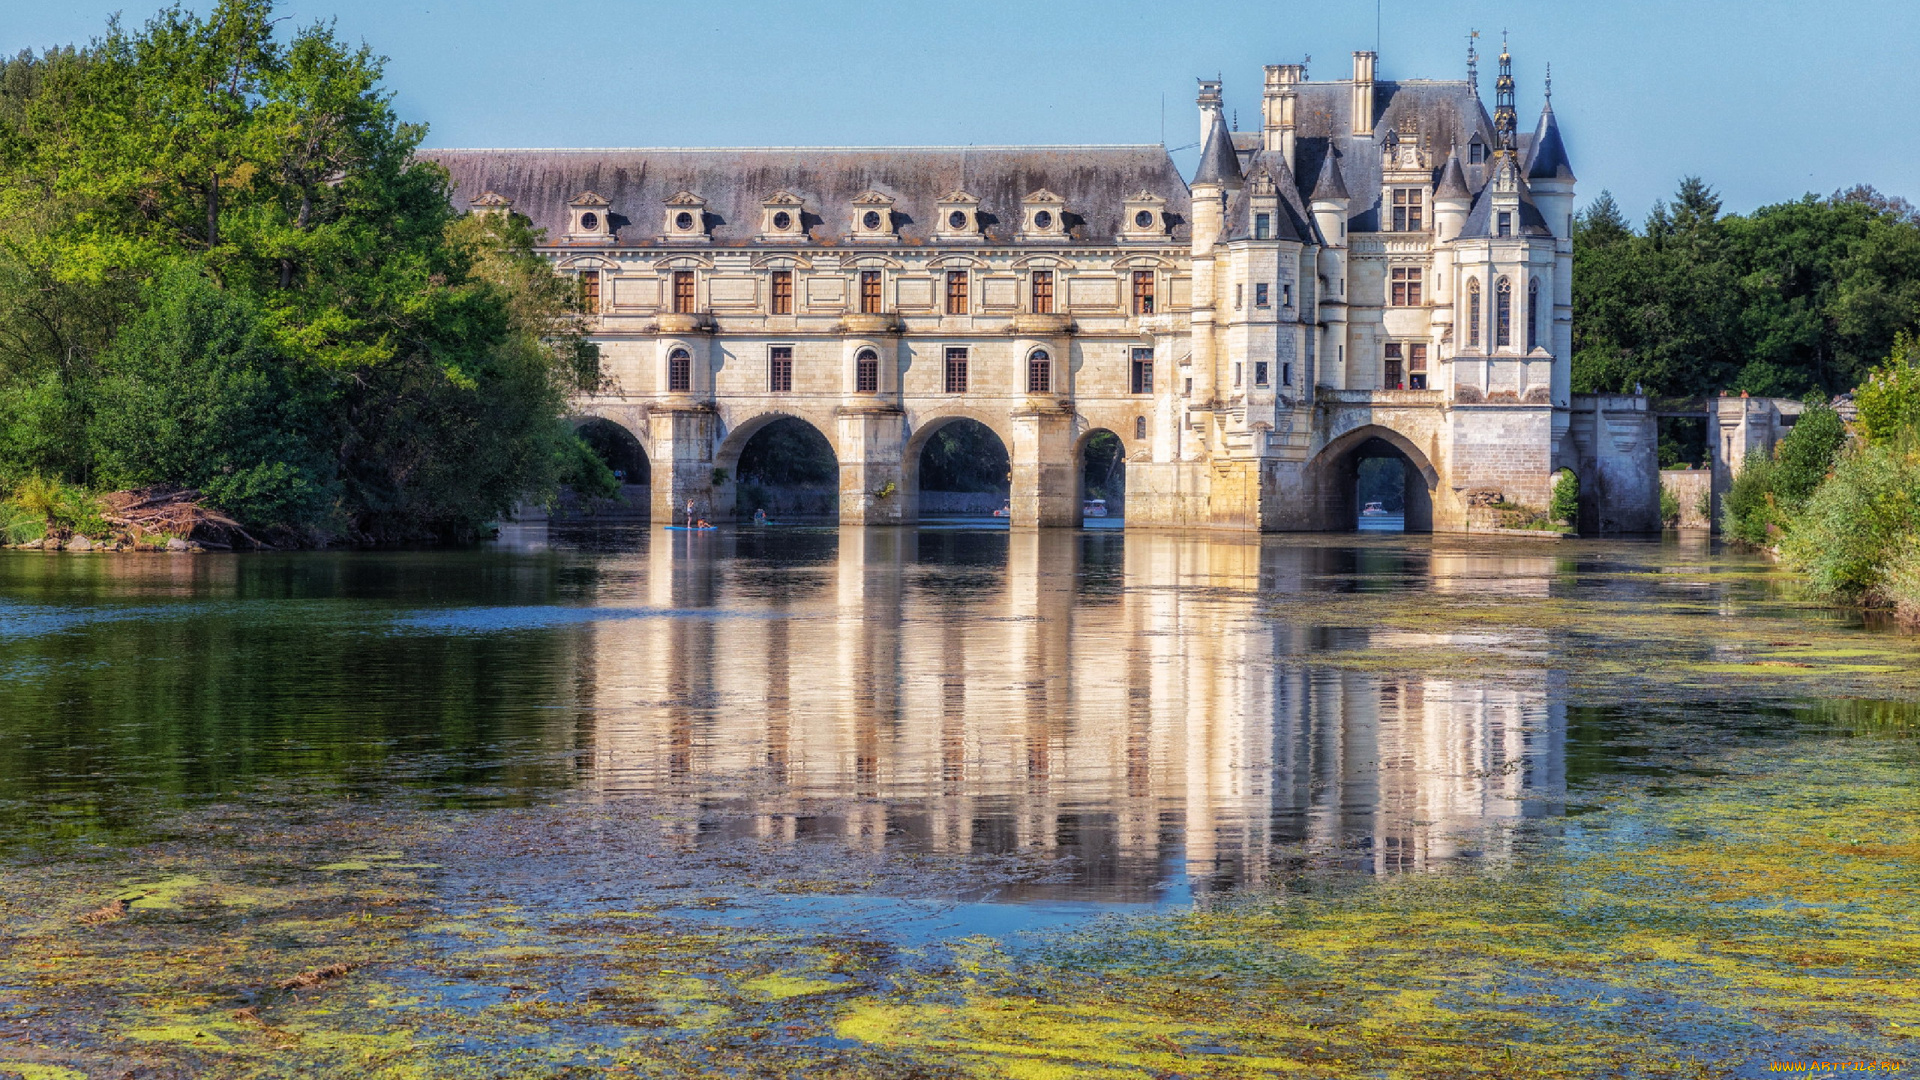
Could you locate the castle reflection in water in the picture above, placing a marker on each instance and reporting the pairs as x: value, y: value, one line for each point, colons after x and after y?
x: 1128, y: 700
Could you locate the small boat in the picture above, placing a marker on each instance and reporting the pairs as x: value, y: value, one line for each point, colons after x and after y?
x: 693, y: 528
x: 1374, y: 509
x: 1005, y: 511
x: 1094, y: 508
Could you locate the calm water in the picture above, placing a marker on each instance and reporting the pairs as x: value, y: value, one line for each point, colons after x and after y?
x: 1153, y: 715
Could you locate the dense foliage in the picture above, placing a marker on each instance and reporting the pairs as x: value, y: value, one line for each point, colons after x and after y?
x: 1800, y: 297
x: 222, y: 266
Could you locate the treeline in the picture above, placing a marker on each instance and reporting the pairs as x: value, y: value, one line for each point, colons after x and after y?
x: 1789, y: 300
x: 222, y: 268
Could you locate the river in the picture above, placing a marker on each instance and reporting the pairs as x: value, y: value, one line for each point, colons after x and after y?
x: 901, y: 746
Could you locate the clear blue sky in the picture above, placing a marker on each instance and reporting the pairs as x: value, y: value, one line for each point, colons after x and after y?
x: 1767, y: 99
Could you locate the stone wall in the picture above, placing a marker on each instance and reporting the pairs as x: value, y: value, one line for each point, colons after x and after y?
x: 1688, y: 486
x: 1613, y: 446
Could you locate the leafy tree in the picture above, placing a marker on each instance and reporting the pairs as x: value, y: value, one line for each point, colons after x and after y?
x: 1889, y: 401
x: 1805, y: 456
x: 1565, y: 502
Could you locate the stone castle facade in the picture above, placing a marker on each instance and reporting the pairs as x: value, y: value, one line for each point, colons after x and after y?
x: 1383, y: 269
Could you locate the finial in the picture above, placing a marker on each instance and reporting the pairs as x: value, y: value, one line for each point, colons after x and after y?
x: 1549, y: 80
x: 1473, y: 61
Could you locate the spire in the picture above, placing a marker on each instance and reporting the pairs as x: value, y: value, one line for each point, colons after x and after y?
x: 1330, y: 187
x: 1473, y: 63
x: 1219, y: 162
x: 1549, y: 150
x: 1505, y: 118
x: 1453, y: 179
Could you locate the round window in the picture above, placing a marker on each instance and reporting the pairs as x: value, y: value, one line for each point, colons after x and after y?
x: 956, y: 220
x: 589, y: 222
x: 683, y: 220
x: 783, y: 221
x: 1043, y: 220
x: 1143, y: 220
x: 872, y: 220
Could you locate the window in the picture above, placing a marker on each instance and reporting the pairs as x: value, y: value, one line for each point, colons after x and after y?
x: 1139, y: 427
x: 956, y: 292
x: 1259, y: 373
x: 679, y: 372
x: 1239, y: 294
x: 780, y: 369
x: 869, y: 292
x: 783, y: 221
x: 1039, y: 373
x: 956, y: 371
x: 1408, y: 210
x: 1262, y: 225
x: 590, y: 291
x: 1390, y: 376
x: 1473, y: 313
x: 683, y: 292
x: 866, y: 372
x: 1143, y: 292
x: 782, y: 300
x: 1506, y: 223
x: 1236, y: 376
x: 1286, y: 295
x: 1533, y: 314
x: 1286, y: 374
x: 1503, y: 314
x: 1260, y: 295
x: 1416, y: 367
x: 1477, y: 154
x: 1142, y: 382
x: 1043, y: 292
x: 1188, y: 391
x: 1406, y: 286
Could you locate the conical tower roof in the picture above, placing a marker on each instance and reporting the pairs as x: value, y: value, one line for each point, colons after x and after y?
x: 1453, y: 179
x: 1549, y: 152
x: 1331, y: 185
x: 1219, y: 162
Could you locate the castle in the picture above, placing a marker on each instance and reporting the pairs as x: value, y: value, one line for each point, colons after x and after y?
x: 1382, y: 270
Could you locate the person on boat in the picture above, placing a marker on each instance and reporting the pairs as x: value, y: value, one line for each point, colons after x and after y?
x: 759, y: 517
x: 690, y: 514
x: 703, y: 524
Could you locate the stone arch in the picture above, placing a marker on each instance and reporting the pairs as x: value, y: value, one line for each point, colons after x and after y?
x: 1335, y: 469
x: 727, y: 458
x: 1113, y: 484
x: 624, y: 451
x: 929, y: 425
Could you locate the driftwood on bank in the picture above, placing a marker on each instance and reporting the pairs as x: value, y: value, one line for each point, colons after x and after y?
x: 169, y: 511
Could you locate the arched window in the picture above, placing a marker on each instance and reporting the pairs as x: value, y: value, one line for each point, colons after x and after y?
x: 1533, y: 314
x: 1473, y: 313
x: 866, y: 372
x: 1139, y: 427
x: 1503, y: 314
x: 679, y: 372
x: 1039, y: 372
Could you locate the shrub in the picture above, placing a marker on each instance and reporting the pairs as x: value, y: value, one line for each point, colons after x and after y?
x: 1805, y: 456
x: 1855, y: 539
x: 42, y: 506
x: 1889, y: 401
x: 1669, y: 508
x: 1565, y: 505
x: 1747, y: 511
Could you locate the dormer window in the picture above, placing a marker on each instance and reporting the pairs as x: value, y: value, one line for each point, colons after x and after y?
x: 587, y: 218
x: 783, y: 218
x: 492, y: 202
x: 1477, y: 153
x: 1262, y: 226
x: 1043, y: 216
x: 872, y: 216
x: 686, y: 218
x: 1144, y: 217
x: 1506, y: 223
x: 957, y: 217
x: 1408, y: 209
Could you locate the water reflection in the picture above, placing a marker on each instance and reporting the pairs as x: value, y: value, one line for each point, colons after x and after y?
x: 1120, y: 699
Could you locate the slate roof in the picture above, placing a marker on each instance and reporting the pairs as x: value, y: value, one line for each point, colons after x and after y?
x: 1453, y: 179
x: 1294, y: 222
x: 1480, y: 225
x: 1095, y: 181
x: 1331, y: 184
x: 1549, y: 161
x: 1219, y: 159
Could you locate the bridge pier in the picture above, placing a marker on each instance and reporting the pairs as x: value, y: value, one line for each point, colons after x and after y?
x: 683, y: 462
x: 872, y: 448
x: 1045, y: 487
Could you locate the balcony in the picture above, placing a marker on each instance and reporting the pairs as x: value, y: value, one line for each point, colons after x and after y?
x: 1048, y: 325
x: 869, y: 323
x: 1431, y: 398
x: 682, y: 322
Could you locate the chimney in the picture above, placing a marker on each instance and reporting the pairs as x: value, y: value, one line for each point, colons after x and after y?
x: 1209, y: 102
x: 1363, y: 92
x: 1278, y: 108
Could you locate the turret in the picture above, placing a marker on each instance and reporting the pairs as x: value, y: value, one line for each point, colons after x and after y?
x: 1218, y: 176
x: 1451, y: 200
x: 1329, y: 203
x: 1549, y: 174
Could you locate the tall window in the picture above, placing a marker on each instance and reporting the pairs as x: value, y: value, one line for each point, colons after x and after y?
x: 1039, y: 372
x: 1406, y: 286
x: 1143, y: 292
x: 1473, y: 313
x: 1503, y: 313
x: 1392, y: 368
x: 866, y: 372
x: 1533, y: 314
x: 1043, y: 292
x: 956, y: 371
x: 590, y: 291
x: 869, y: 292
x: 1139, y: 427
x: 683, y: 292
x: 1259, y: 373
x: 679, y: 372
x: 956, y: 292
x: 1262, y: 225
x: 1142, y: 371
x: 782, y: 297
x: 1407, y: 210
x: 1506, y: 223
x: 1260, y: 295
x: 780, y: 369
x: 1416, y: 367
